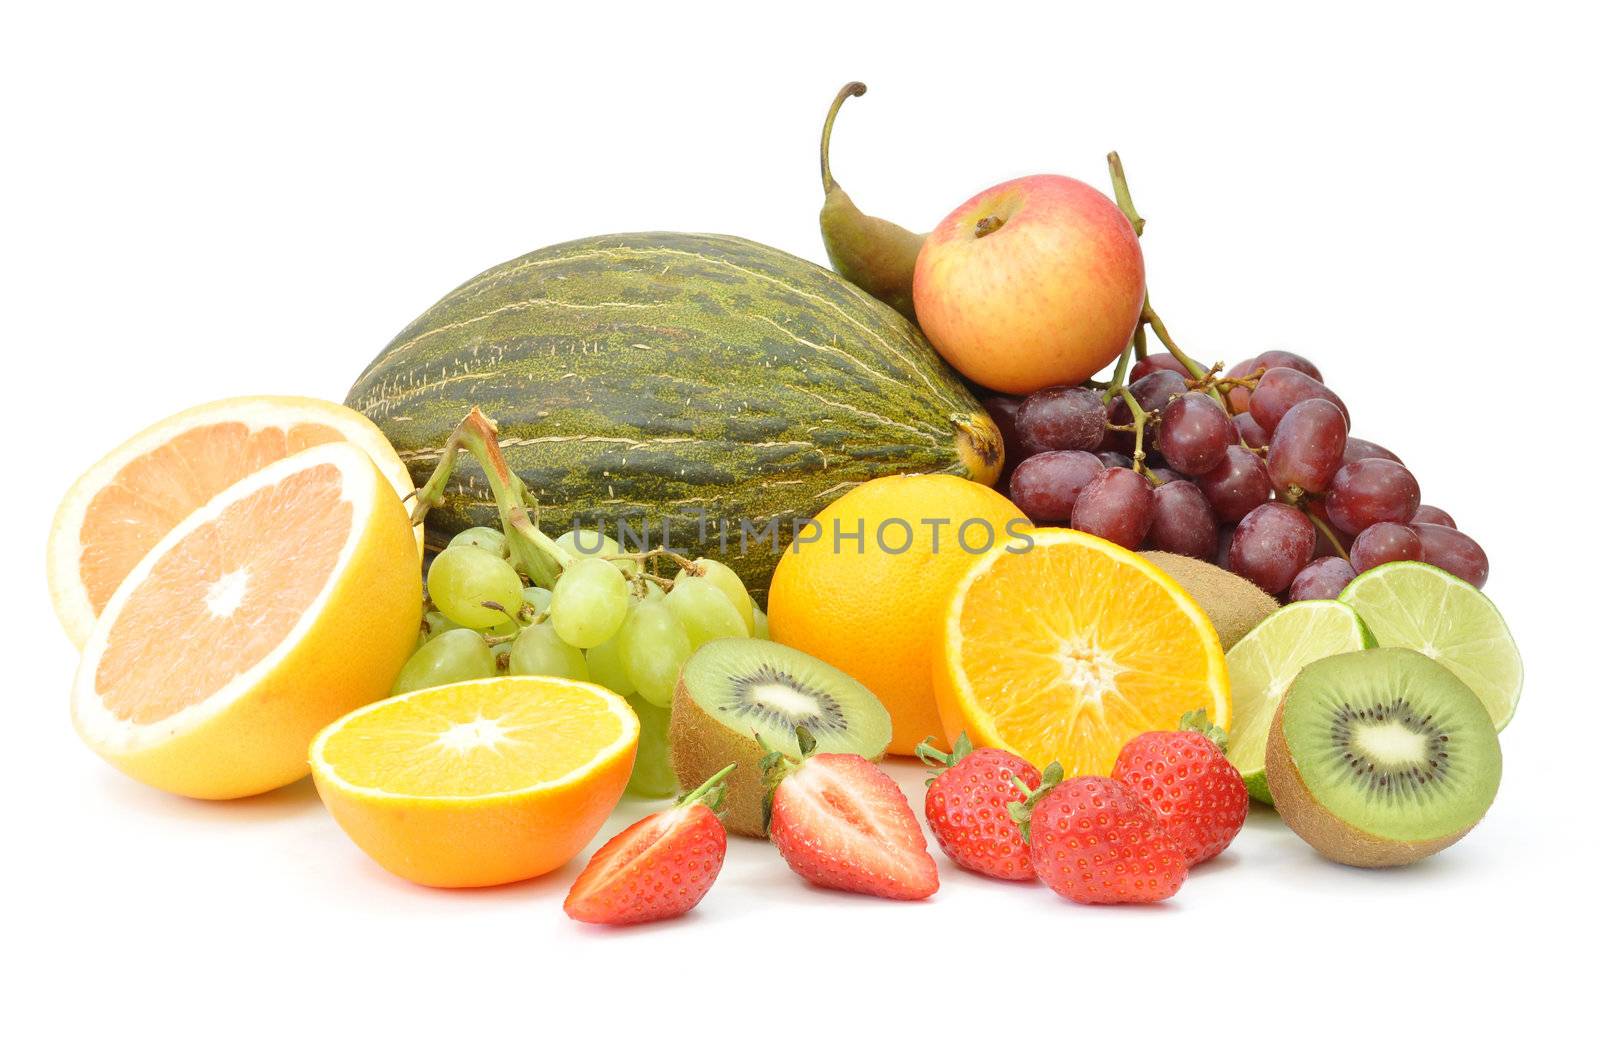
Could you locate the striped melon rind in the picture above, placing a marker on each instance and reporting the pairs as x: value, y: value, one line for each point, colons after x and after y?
x: 669, y: 378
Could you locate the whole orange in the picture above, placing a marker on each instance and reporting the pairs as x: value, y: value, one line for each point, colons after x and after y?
x: 865, y: 586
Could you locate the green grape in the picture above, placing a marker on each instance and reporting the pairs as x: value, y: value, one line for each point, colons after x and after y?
x: 537, y: 597
x: 490, y: 539
x: 653, y: 646
x: 461, y: 578
x: 703, y: 610
x: 652, y: 767
x: 589, y: 603
x: 727, y: 581
x: 605, y: 666
x: 502, y: 657
x: 540, y: 651
x: 587, y: 542
x: 434, y: 624
x: 449, y: 657
x: 761, y: 631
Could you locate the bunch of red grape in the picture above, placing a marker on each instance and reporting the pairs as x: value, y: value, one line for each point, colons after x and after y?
x: 1254, y: 469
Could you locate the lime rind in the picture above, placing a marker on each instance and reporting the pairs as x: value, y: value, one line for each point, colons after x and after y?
x: 1263, y: 664
x: 1419, y: 607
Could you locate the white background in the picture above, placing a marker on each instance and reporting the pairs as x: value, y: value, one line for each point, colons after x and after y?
x: 211, y: 200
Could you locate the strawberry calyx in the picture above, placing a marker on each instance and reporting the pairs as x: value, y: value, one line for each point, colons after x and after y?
x: 776, y: 766
x: 1022, y: 811
x: 1200, y: 723
x: 938, y: 759
x: 709, y: 793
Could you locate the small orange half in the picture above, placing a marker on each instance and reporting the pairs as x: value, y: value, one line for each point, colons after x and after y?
x: 1066, y: 650
x: 478, y: 783
x: 129, y: 499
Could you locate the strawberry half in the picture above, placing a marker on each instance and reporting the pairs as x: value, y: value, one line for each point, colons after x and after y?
x: 658, y: 868
x: 840, y: 822
x: 1185, y: 777
x: 1093, y: 841
x: 969, y: 793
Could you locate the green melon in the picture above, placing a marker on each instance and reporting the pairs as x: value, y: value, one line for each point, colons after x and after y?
x: 681, y: 383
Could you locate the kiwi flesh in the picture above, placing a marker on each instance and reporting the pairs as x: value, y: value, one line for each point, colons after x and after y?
x: 1233, y: 604
x: 732, y: 690
x: 1381, y: 757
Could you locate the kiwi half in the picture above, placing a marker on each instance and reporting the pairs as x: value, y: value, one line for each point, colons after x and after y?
x: 1233, y: 604
x: 732, y: 690
x: 1381, y: 757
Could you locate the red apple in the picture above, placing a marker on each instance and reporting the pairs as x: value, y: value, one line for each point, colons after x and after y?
x: 1036, y: 282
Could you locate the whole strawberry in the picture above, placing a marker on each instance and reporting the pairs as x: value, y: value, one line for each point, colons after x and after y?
x: 658, y: 868
x: 1094, y: 842
x: 969, y: 793
x: 840, y: 822
x: 1185, y: 779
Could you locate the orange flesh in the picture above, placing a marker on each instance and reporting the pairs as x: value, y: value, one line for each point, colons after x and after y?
x: 225, y: 596
x: 153, y: 492
x: 472, y: 740
x: 1099, y: 653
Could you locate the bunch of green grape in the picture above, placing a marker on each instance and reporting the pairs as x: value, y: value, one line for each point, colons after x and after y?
x: 607, y: 620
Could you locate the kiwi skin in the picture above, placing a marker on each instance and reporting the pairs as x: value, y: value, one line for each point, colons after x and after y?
x: 700, y: 752
x: 1233, y: 604
x: 1332, y: 837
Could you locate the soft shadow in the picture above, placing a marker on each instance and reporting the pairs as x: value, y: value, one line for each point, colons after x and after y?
x: 287, y: 802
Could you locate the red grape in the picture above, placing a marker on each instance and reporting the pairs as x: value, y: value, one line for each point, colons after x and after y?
x: 1250, y: 433
x: 1271, y: 545
x: 1307, y: 447
x: 1324, y: 577
x: 1118, y: 505
x: 1061, y: 419
x: 1159, y: 388
x: 1003, y: 410
x: 1182, y: 522
x: 1281, y: 388
x: 1045, y: 486
x: 1454, y: 552
x: 1112, y: 458
x: 1275, y: 359
x: 1159, y: 360
x: 1159, y: 475
x: 1372, y: 490
x: 1194, y: 433
x: 1427, y: 514
x: 1355, y: 449
x: 1384, y: 542
x: 1238, y: 484
x: 1239, y: 398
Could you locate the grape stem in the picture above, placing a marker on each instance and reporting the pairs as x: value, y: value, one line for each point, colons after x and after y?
x: 660, y: 551
x: 534, y: 552
x: 1148, y: 315
x: 1140, y: 419
x: 1326, y: 531
x: 1119, y: 378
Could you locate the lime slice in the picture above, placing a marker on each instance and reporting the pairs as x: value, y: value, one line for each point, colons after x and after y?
x: 1419, y: 607
x: 1263, y: 664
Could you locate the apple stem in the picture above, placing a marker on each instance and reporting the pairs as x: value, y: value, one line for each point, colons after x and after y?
x: 855, y: 88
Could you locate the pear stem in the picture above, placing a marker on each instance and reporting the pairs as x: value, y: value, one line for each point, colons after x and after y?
x: 855, y: 88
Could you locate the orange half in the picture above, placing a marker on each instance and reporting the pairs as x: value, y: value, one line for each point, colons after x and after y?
x: 289, y: 599
x: 478, y: 783
x: 1067, y: 650
x: 121, y: 507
